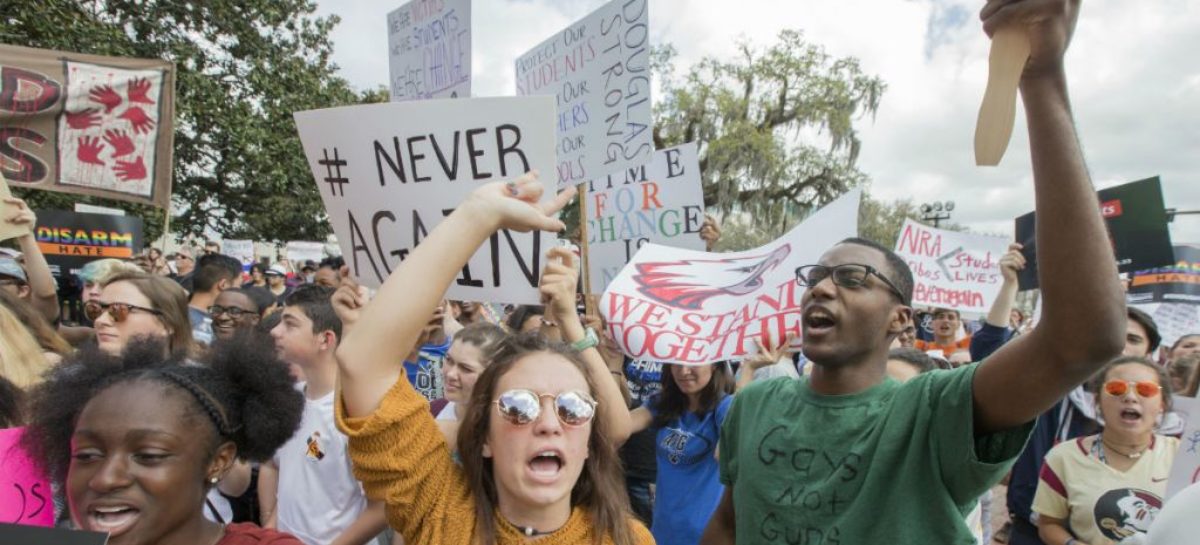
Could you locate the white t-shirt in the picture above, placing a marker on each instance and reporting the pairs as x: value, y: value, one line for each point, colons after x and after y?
x: 318, y: 495
x: 447, y: 413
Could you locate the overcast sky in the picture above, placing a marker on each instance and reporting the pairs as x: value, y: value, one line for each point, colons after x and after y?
x: 1132, y: 67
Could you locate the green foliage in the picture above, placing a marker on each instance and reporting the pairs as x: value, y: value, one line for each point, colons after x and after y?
x: 776, y: 127
x: 243, y: 67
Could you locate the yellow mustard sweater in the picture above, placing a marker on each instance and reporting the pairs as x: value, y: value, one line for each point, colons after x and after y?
x: 401, y: 458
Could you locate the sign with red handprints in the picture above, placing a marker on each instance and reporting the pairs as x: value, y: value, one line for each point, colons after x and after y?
x: 87, y: 124
x: 107, y: 134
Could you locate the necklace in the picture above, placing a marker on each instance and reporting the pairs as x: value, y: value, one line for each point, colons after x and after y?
x: 530, y: 531
x: 1130, y: 455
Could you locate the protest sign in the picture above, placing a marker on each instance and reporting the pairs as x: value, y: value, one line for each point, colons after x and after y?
x: 958, y: 271
x: 298, y: 252
x: 1185, y: 470
x: 598, y: 70
x: 1176, y: 283
x: 25, y: 494
x: 683, y: 306
x: 8, y: 230
x: 429, y: 49
x: 661, y: 202
x: 1137, y: 227
x: 1174, y: 320
x: 86, y: 124
x: 241, y: 250
x: 389, y: 173
x: 72, y: 239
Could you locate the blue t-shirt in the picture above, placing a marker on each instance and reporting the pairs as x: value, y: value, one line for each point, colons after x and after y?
x: 201, y: 325
x: 689, y: 480
x: 425, y: 374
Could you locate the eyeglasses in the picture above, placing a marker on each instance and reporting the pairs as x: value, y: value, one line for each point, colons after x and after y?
x: 1144, y: 388
x: 235, y: 312
x: 847, y: 275
x: 118, y: 311
x: 521, y: 407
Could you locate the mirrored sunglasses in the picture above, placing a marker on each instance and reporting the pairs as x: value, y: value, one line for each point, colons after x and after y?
x: 521, y: 407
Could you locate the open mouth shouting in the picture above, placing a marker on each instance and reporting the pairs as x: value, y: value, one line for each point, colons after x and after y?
x: 113, y: 519
x: 546, y: 466
x: 817, y: 322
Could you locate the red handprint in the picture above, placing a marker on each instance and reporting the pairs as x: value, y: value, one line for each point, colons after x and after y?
x: 129, y: 171
x: 121, y: 144
x: 104, y: 94
x: 89, y: 150
x: 83, y: 118
x: 137, y: 90
x: 138, y: 118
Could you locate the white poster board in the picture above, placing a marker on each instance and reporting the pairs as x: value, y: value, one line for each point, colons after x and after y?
x: 958, y: 271
x: 683, y: 306
x: 241, y: 250
x: 1185, y: 470
x: 389, y: 172
x: 660, y: 202
x: 429, y: 50
x: 299, y: 251
x: 598, y: 70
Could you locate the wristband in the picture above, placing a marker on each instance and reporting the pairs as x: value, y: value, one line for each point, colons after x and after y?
x: 589, y: 340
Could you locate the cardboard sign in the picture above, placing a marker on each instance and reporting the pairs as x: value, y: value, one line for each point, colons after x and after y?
x: 85, y: 124
x: 1185, y: 470
x: 429, y: 49
x: 683, y: 306
x: 8, y: 230
x: 72, y: 239
x: 389, y: 173
x: 25, y: 495
x: 660, y: 202
x: 1137, y: 227
x: 598, y: 70
x: 241, y: 250
x: 1174, y: 320
x: 1176, y: 283
x: 958, y: 271
x: 298, y: 252
x: 34, y: 535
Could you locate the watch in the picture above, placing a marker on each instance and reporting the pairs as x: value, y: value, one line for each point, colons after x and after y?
x: 589, y: 340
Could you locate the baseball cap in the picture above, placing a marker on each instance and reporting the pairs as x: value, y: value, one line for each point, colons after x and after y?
x: 309, y: 265
x: 10, y: 267
x: 276, y: 270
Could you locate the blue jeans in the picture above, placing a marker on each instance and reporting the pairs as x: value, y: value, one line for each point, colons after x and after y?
x: 641, y: 499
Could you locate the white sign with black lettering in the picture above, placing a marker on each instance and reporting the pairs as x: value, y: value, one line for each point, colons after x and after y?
x: 429, y: 50
x: 660, y: 202
x: 598, y: 70
x: 389, y: 173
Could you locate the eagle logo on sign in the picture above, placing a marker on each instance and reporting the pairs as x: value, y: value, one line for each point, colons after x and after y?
x: 688, y: 283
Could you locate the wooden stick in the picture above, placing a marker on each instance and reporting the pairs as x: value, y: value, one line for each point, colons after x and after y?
x: 166, y: 229
x: 584, y: 266
x: 993, y: 129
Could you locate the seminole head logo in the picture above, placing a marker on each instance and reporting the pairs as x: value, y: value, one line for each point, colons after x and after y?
x: 688, y: 283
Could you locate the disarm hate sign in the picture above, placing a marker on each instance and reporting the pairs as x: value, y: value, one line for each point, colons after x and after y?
x: 389, y: 173
x: 683, y: 306
x: 661, y: 201
x: 598, y: 70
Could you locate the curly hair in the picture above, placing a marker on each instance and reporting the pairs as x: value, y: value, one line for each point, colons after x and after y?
x: 600, y: 489
x: 240, y: 389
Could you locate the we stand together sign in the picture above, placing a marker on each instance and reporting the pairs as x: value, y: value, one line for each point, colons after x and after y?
x: 389, y: 173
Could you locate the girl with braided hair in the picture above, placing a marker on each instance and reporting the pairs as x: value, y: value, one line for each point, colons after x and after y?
x: 136, y: 443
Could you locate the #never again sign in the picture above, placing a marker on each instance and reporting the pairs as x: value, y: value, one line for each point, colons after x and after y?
x: 598, y: 71
x: 389, y: 173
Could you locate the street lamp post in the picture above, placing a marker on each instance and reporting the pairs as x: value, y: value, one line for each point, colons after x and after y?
x: 936, y: 212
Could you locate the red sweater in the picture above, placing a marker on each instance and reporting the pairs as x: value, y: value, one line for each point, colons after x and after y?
x: 250, y: 534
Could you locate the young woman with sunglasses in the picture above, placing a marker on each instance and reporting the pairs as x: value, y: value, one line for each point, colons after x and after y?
x: 134, y: 305
x: 537, y: 440
x: 1101, y: 489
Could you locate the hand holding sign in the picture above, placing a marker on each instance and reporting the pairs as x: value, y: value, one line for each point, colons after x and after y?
x: 1011, y: 263
x: 560, y: 277
x: 514, y: 205
x: 349, y: 299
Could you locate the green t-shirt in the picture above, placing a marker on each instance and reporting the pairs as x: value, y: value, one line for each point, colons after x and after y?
x: 896, y: 463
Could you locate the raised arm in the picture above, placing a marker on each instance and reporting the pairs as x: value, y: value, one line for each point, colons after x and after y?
x: 1083, y: 316
x: 560, y: 277
x: 43, y: 289
x: 369, y: 356
x: 1010, y: 264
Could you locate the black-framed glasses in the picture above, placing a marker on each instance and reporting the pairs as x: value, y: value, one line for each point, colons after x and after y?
x: 234, y: 312
x: 846, y: 275
x: 119, y: 311
x: 521, y: 407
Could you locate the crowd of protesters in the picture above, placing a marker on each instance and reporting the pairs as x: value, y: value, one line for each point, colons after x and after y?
x: 195, y: 402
